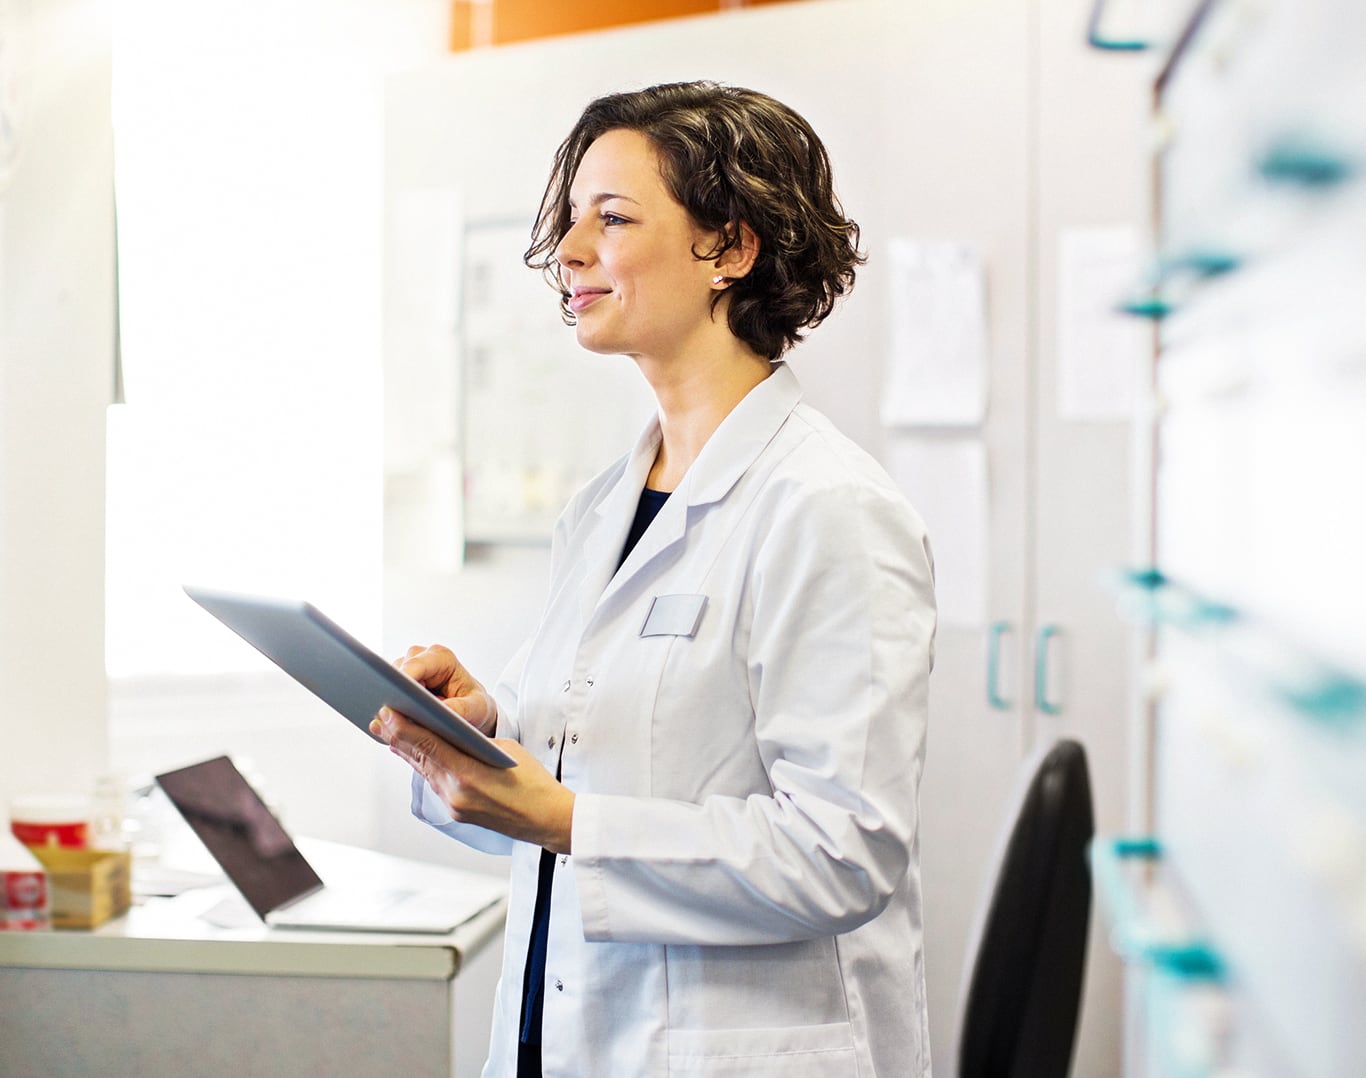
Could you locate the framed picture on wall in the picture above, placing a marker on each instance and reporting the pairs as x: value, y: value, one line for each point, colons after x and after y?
x: 541, y: 416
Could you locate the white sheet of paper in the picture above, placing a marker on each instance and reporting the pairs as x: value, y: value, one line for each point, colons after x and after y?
x: 937, y: 365
x: 1099, y: 348
x: 946, y: 481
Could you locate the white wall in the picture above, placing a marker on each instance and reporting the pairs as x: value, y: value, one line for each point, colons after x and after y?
x: 56, y: 379
x: 249, y: 171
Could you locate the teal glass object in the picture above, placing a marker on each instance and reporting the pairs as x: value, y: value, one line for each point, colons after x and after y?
x: 1189, y: 962
x: 1208, y: 611
x: 1205, y: 614
x: 1141, y: 594
x: 1198, y: 263
x: 1162, y: 601
x: 1331, y: 697
x: 1187, y: 959
x: 1302, y: 163
x: 1107, y: 856
x: 1146, y: 847
x: 1150, y: 579
x: 1183, y: 1038
x: 1150, y: 306
x: 997, y: 630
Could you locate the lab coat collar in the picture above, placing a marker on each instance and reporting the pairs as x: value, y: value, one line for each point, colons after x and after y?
x: 729, y: 453
x: 737, y: 442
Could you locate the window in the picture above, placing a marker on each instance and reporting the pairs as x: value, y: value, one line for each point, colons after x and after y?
x: 248, y: 454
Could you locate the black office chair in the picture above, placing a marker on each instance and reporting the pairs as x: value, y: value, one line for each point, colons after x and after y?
x: 1020, y: 1007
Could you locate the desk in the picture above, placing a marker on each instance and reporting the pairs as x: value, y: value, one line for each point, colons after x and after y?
x: 159, y: 991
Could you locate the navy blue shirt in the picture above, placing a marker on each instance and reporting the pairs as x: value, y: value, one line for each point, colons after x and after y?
x: 533, y: 980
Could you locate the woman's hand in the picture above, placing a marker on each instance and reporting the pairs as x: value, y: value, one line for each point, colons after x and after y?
x: 442, y: 673
x: 524, y: 802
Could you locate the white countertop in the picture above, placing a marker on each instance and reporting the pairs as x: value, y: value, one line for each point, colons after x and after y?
x: 169, y: 935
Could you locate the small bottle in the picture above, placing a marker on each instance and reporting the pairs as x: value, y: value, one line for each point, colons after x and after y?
x: 108, y: 809
x: 23, y: 886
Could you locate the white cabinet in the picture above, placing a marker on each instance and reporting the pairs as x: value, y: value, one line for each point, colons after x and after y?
x: 1066, y: 128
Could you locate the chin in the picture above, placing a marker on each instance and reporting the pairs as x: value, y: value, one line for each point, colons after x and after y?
x: 598, y: 345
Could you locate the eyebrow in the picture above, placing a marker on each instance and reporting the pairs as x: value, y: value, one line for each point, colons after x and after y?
x: 604, y: 196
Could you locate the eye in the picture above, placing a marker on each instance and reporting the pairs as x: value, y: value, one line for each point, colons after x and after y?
x: 613, y: 219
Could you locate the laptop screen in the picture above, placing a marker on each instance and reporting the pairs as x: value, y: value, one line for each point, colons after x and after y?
x: 232, y: 821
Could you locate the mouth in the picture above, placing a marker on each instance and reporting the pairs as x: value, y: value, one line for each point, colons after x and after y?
x: 584, y: 297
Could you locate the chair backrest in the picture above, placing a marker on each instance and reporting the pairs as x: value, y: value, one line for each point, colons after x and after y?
x: 1023, y: 990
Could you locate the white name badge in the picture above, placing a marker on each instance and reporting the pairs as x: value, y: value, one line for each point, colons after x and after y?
x: 674, y: 615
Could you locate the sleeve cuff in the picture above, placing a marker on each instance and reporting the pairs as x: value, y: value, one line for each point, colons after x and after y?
x: 429, y: 808
x: 586, y: 833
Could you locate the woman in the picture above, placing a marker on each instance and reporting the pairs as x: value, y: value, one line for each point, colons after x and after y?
x: 719, y: 724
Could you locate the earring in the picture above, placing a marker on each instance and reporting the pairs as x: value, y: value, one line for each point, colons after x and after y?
x: 717, y: 279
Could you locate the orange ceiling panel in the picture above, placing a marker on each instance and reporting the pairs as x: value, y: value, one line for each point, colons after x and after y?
x: 475, y: 23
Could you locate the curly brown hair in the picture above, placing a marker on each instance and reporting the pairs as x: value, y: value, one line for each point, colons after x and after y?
x: 728, y: 155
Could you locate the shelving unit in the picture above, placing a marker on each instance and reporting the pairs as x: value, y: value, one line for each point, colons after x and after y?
x: 1257, y: 687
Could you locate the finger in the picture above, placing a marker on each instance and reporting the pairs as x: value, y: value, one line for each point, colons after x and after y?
x: 424, y: 668
x: 408, y: 657
x: 478, y: 709
x: 424, y: 752
x: 380, y: 724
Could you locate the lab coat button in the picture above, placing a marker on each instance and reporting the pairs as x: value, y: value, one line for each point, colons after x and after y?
x: 574, y: 738
x: 550, y: 742
x: 564, y: 858
x: 559, y: 985
x: 589, y: 681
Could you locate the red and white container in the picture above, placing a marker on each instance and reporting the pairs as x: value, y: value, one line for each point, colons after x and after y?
x: 51, y: 820
x: 23, y: 887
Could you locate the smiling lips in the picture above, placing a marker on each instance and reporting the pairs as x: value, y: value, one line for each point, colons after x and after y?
x: 582, y: 297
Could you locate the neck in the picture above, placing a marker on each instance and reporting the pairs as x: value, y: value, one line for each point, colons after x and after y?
x: 694, y: 397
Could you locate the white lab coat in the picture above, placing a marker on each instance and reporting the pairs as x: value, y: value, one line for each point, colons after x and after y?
x: 744, y: 896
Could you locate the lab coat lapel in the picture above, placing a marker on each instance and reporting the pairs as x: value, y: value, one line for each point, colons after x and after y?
x: 729, y: 453
x: 613, y: 516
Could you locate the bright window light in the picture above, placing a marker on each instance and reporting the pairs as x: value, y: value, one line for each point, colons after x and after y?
x: 248, y: 454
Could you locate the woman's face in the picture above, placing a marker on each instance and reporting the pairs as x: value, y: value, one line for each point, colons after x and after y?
x: 627, y: 260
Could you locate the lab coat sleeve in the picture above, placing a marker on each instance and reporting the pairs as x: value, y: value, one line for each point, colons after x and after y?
x: 430, y: 809
x: 838, y: 658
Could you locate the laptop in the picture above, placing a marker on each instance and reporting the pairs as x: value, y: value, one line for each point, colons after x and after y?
x: 264, y: 864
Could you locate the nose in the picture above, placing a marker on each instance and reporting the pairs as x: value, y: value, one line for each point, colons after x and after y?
x: 571, y: 251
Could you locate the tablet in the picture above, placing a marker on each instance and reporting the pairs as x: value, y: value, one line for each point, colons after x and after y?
x: 338, y: 669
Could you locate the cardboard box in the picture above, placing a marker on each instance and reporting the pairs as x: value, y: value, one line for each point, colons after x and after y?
x: 86, y: 887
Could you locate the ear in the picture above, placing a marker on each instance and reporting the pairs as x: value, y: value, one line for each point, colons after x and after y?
x: 739, y: 260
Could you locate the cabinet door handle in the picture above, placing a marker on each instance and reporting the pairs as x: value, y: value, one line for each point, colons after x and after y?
x: 1098, y: 39
x: 997, y: 630
x: 1041, y: 700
